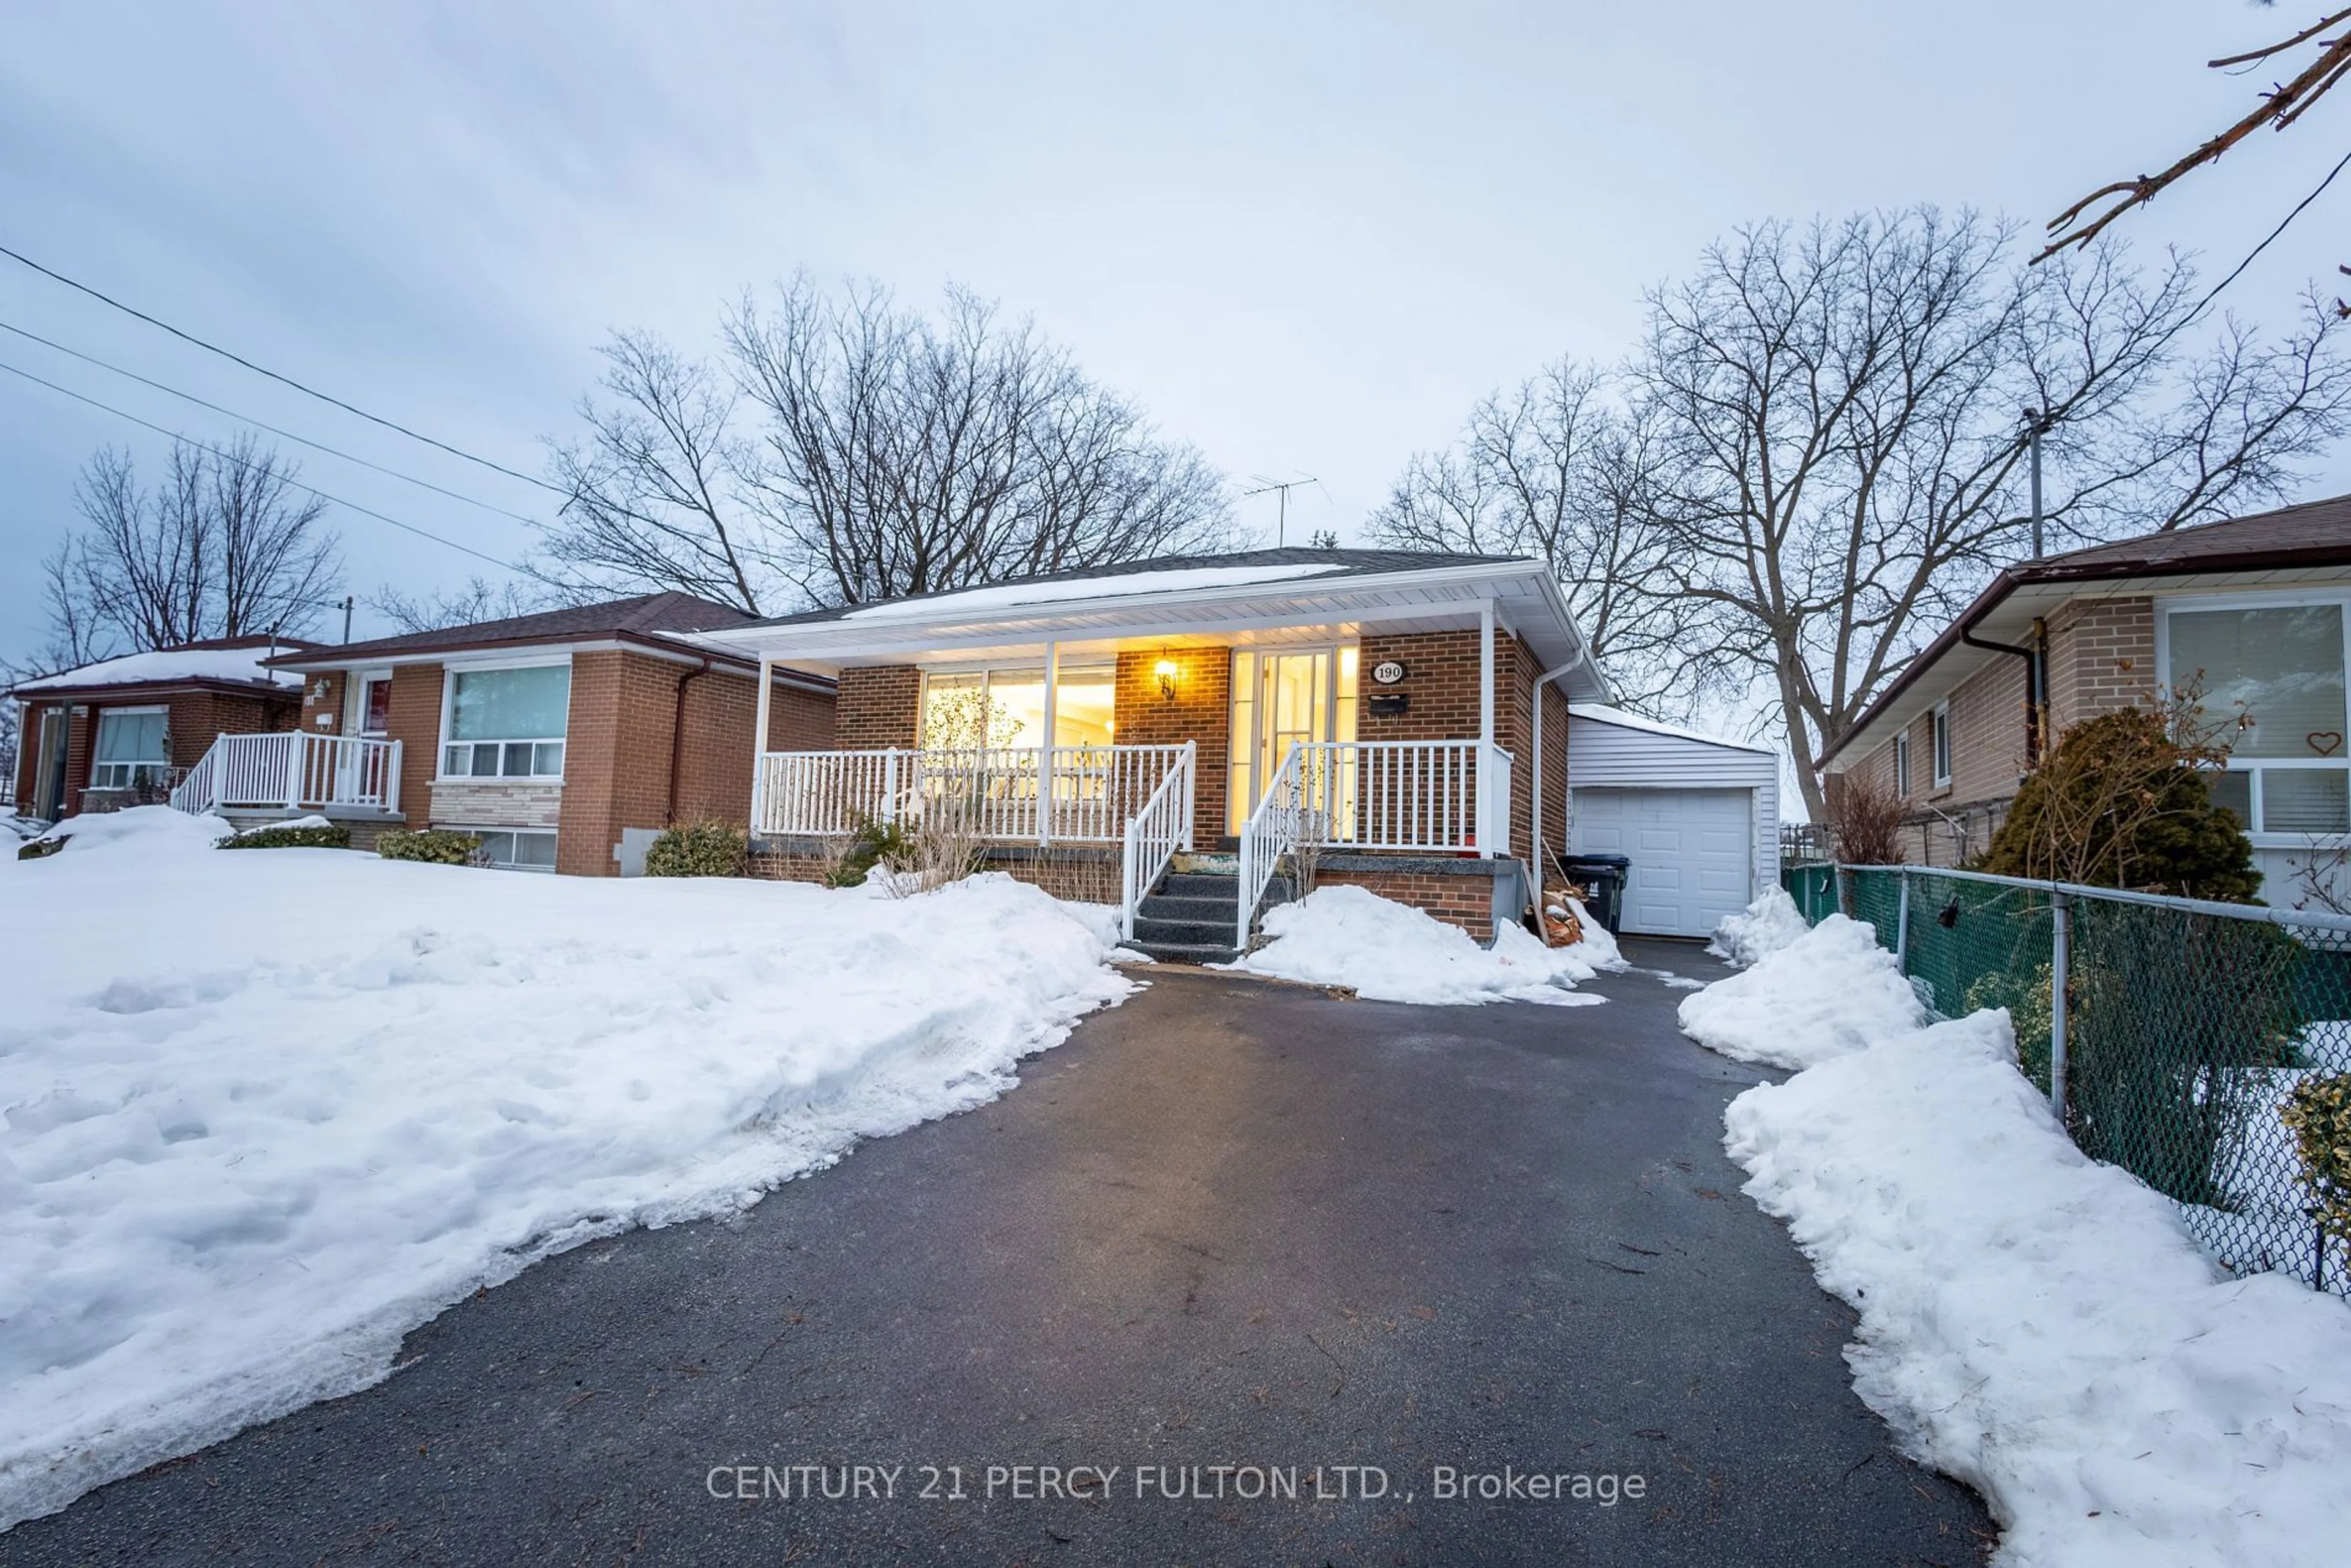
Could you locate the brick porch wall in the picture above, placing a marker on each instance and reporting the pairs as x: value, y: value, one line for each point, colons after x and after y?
x: 1442, y: 680
x: 1464, y: 901
x: 1200, y: 712
x: 414, y: 718
x: 878, y: 708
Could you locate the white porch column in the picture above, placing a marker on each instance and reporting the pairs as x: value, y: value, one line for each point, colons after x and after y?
x: 760, y: 745
x: 1045, y: 747
x: 1486, y: 730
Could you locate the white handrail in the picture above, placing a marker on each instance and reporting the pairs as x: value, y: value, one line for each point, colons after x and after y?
x: 1153, y: 836
x: 1065, y: 794
x: 293, y: 770
x: 1411, y: 796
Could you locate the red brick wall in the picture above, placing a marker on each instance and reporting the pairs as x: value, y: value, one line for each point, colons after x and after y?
x: 1443, y: 681
x: 878, y: 708
x: 1464, y: 901
x: 192, y: 721
x: 414, y: 720
x: 330, y: 702
x: 29, y: 750
x: 615, y: 756
x: 797, y: 720
x: 1200, y: 712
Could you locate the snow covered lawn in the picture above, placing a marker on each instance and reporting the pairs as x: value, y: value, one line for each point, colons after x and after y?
x: 2035, y: 1323
x: 1390, y: 952
x: 262, y: 1113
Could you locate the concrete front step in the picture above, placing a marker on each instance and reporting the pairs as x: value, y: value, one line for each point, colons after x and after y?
x: 1189, y: 917
x: 1186, y: 952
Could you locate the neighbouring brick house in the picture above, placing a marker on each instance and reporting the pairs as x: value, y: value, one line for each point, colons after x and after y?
x: 126, y: 730
x: 566, y: 739
x: 1201, y: 719
x: 2249, y: 612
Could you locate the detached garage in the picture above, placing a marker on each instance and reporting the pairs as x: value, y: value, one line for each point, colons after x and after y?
x: 1698, y: 817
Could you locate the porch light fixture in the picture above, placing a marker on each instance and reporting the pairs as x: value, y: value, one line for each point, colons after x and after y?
x: 1165, y: 671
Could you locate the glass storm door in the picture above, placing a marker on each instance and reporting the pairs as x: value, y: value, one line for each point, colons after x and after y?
x: 1280, y: 700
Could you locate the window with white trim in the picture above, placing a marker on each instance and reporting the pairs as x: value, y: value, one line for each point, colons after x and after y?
x: 506, y: 723
x: 2272, y: 673
x: 1902, y: 764
x: 513, y: 849
x: 133, y: 747
x: 1940, y: 728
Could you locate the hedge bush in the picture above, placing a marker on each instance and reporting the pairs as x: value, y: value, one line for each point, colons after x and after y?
x: 440, y: 846
x: 333, y: 836
x: 875, y: 842
x: 698, y: 849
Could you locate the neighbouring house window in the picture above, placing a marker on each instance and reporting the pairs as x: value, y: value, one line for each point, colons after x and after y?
x: 133, y: 748
x: 512, y: 849
x: 966, y: 710
x: 1940, y: 730
x: 507, y: 724
x: 2281, y: 668
x: 1902, y: 764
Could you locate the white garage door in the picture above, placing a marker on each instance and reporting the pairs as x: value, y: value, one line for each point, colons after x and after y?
x: 1691, y: 851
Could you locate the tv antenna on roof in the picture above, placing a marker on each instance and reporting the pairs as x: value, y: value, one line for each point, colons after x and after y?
x: 1281, y: 488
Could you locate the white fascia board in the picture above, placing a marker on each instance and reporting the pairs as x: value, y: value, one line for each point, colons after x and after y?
x: 1253, y: 606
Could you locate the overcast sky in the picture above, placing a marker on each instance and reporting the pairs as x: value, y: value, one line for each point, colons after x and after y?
x: 1306, y: 237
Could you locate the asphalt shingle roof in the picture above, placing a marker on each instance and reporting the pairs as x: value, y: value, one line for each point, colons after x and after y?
x: 657, y: 615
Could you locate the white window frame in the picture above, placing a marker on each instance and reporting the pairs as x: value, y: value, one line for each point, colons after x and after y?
x: 1902, y: 764
x: 1939, y: 744
x: 449, y: 674
x: 548, y: 834
x: 2282, y: 599
x: 98, y: 727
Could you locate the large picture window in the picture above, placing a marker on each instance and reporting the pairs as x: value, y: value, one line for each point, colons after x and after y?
x: 132, y: 748
x: 966, y: 709
x: 507, y: 724
x: 2277, y: 672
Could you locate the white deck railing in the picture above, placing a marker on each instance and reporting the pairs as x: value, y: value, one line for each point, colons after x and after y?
x: 1161, y: 829
x: 1066, y: 794
x: 1413, y: 797
x: 295, y: 770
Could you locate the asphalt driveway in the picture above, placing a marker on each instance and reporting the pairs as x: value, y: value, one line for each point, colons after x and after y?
x: 1229, y: 1224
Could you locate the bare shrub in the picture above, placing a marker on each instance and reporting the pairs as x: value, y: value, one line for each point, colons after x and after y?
x: 1866, y: 823
x: 943, y: 847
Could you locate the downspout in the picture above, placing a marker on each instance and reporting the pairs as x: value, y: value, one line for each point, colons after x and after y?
x: 1534, y: 833
x: 2033, y: 696
x: 678, y: 736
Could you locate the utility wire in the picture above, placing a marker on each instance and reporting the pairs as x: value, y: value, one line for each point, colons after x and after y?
x: 273, y: 375
x: 259, y: 424
x: 305, y: 489
x: 2255, y: 254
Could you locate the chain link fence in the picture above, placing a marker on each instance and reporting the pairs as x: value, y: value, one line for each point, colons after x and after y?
x: 2169, y: 1032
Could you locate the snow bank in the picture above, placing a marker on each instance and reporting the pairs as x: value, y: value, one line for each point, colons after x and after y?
x: 263, y: 1114
x: 1005, y: 596
x: 1832, y: 991
x: 2040, y: 1325
x: 142, y: 830
x: 1766, y: 926
x: 1389, y: 952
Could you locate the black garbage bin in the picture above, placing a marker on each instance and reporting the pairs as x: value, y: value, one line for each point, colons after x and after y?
x: 1605, y: 877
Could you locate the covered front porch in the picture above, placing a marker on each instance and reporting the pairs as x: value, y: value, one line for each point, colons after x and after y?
x: 1391, y: 733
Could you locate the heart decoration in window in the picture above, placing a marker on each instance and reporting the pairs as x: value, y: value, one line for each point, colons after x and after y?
x: 2326, y: 742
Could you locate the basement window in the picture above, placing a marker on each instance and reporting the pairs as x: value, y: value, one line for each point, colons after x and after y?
x: 511, y: 849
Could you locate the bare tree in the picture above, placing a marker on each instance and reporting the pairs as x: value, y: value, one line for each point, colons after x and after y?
x: 1839, y: 407
x: 1560, y: 468
x: 2281, y: 104
x: 477, y: 601
x: 228, y: 545
x: 851, y: 449
x: 654, y: 493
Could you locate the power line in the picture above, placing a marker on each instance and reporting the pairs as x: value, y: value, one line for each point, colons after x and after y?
x: 259, y: 424
x: 273, y: 375
x: 296, y: 484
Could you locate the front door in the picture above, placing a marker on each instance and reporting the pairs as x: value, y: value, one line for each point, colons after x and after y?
x: 1280, y: 700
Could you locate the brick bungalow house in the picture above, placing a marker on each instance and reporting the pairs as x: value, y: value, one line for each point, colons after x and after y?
x: 566, y: 739
x: 1160, y: 735
x: 2251, y: 611
x: 126, y: 730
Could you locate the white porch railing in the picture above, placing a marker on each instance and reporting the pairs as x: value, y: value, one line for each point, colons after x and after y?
x: 1163, y: 827
x: 1424, y: 797
x: 295, y: 770
x: 1066, y: 794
